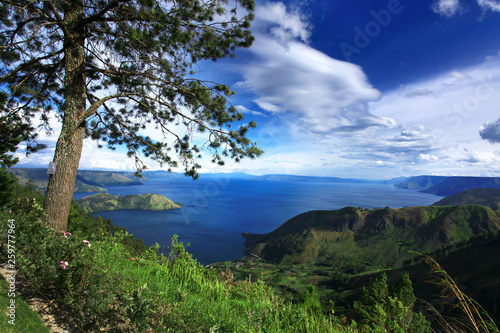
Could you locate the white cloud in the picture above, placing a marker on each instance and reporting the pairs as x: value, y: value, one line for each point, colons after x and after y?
x: 447, y: 7
x: 493, y: 5
x: 451, y: 8
x: 244, y: 109
x: 281, y: 23
x: 325, y: 93
x: 428, y: 158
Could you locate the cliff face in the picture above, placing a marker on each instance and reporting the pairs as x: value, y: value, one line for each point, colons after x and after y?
x: 378, y: 237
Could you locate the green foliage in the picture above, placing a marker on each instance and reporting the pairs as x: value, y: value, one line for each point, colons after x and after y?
x: 111, y: 285
x: 13, y: 131
x: 382, y: 310
x: 7, y: 183
x: 311, y: 300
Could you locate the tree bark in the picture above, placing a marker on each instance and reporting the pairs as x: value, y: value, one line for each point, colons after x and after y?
x: 69, y: 145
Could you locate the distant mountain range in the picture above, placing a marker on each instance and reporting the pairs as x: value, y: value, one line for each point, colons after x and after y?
x: 86, y: 181
x: 445, y: 186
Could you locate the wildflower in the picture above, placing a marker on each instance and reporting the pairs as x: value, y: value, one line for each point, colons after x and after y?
x: 131, y: 258
x: 63, y: 264
x: 86, y: 292
x: 86, y: 242
x: 10, y: 212
x: 66, y: 233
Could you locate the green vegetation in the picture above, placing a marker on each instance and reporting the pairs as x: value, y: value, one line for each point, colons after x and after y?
x: 24, y: 319
x: 104, y: 201
x: 479, y: 196
x: 105, y: 279
x: 356, y: 240
x: 384, y: 310
x: 101, y: 281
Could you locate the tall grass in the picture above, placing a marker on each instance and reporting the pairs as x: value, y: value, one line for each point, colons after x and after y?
x: 468, y: 315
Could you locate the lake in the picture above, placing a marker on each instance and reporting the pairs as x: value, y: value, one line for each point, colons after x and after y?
x: 217, y: 209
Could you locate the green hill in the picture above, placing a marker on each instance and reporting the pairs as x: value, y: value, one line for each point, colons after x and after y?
x: 357, y: 240
x: 105, y: 201
x: 479, y: 196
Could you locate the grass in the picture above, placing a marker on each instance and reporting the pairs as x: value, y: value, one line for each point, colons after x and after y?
x: 26, y: 320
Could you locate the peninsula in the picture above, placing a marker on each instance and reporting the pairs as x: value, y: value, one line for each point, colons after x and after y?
x: 105, y: 201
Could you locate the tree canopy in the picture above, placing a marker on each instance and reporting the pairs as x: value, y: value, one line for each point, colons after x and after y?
x: 108, y: 68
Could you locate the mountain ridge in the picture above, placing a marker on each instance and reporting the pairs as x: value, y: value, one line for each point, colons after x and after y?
x: 374, y: 239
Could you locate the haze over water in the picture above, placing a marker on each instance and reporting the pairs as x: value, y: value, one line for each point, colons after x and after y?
x: 218, y: 209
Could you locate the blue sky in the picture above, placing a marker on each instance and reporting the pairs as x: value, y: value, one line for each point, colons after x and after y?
x: 360, y: 89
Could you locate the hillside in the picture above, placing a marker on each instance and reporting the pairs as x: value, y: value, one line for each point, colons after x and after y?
x: 40, y: 178
x: 453, y: 185
x: 478, y: 196
x: 357, y: 240
x: 104, y: 201
x: 420, y: 182
x: 110, y: 178
x: 86, y: 181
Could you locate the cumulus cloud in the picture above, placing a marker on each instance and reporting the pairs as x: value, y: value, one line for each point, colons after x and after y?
x: 447, y: 7
x: 490, y: 131
x: 325, y: 93
x: 281, y: 23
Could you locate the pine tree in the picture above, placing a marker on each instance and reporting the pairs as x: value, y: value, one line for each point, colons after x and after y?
x: 108, y: 68
x: 384, y: 310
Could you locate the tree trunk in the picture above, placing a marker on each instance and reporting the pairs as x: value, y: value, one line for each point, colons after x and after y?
x: 69, y: 145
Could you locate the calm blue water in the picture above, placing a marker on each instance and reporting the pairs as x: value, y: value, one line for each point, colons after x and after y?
x: 218, y: 209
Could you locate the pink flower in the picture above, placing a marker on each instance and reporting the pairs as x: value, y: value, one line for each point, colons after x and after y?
x: 131, y: 258
x: 10, y: 212
x: 86, y: 242
x: 63, y: 264
x: 66, y: 233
